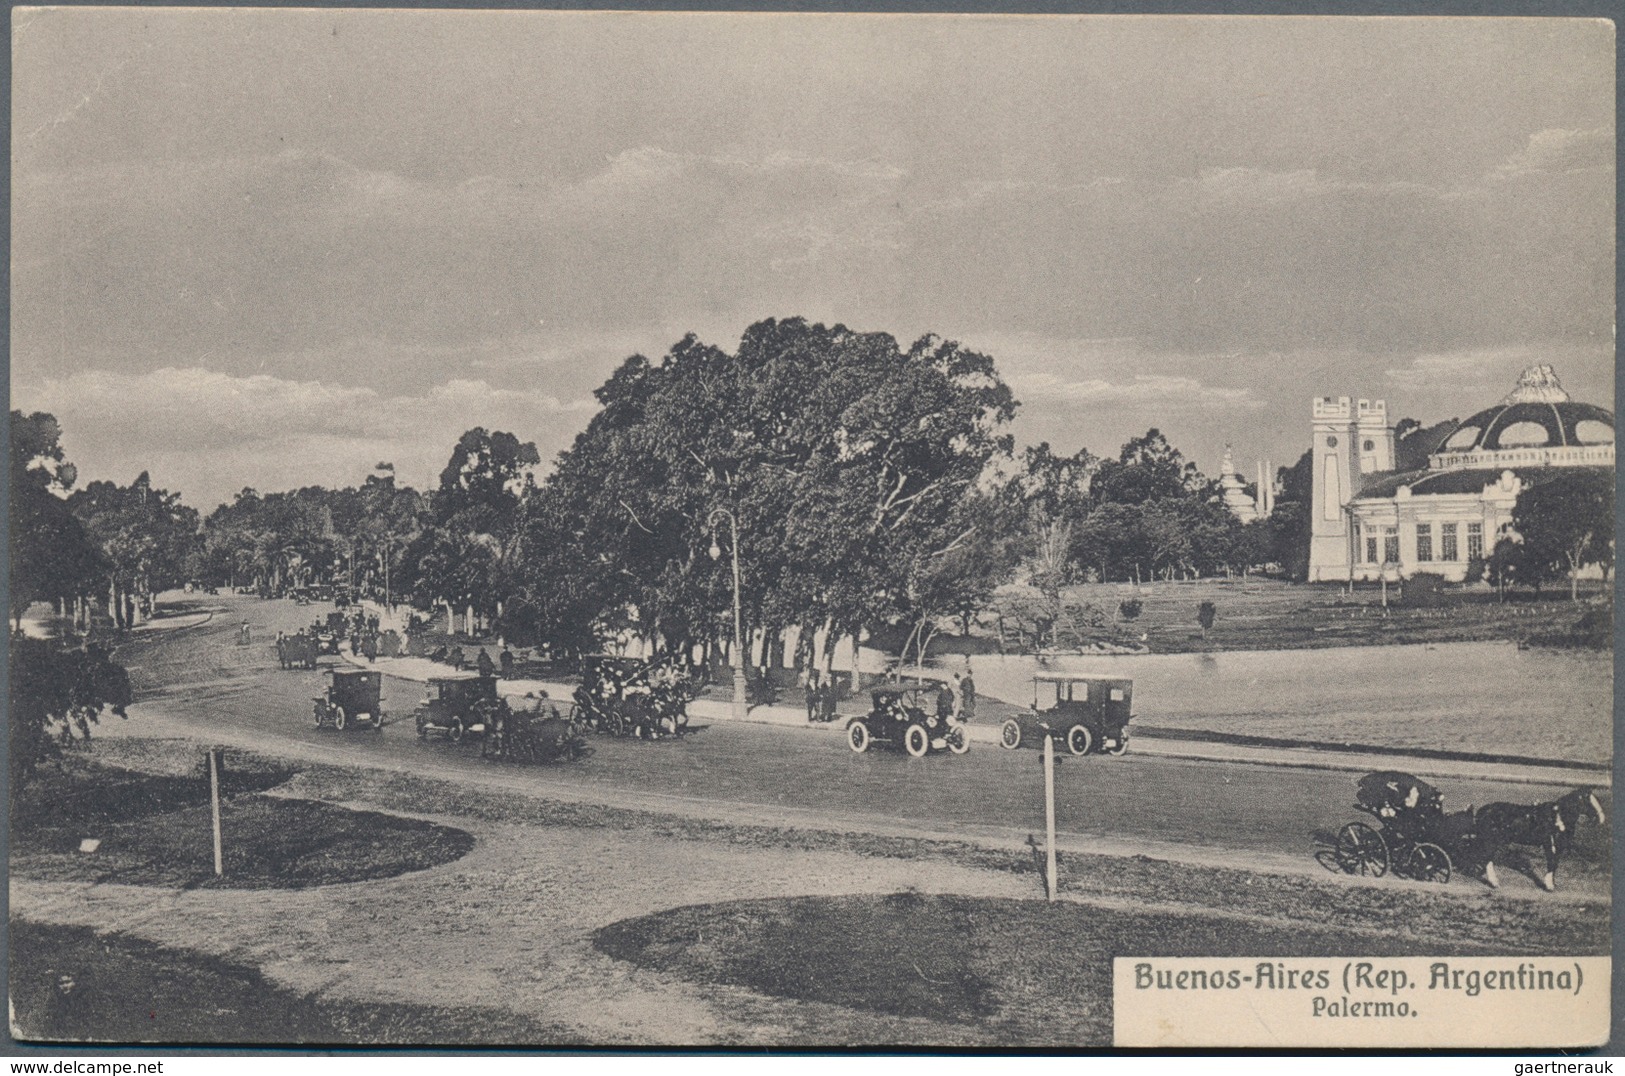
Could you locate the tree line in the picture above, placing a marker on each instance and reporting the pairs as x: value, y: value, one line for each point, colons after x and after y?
x: 864, y: 486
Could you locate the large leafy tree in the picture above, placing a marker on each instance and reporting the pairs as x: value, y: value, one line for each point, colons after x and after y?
x: 468, y: 551
x: 845, y: 459
x: 51, y: 555
x: 1565, y: 523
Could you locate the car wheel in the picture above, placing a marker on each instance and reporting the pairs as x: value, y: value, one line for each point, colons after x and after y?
x: 455, y: 732
x: 958, y: 742
x: 857, y: 736
x: 916, y: 741
x: 1078, y: 740
x: 1120, y: 746
x: 423, y: 731
x: 1010, y: 735
x: 378, y: 722
x: 341, y: 720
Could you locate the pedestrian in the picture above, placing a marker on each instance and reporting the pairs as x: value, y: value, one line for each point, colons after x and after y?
x: 967, y: 697
x: 945, y: 702
x: 484, y: 664
x: 826, y: 698
x: 242, y: 635
x: 506, y: 661
x: 456, y: 658
x: 369, y: 647
x: 814, y: 696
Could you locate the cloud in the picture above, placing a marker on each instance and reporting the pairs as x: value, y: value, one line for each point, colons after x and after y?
x: 1556, y: 150
x: 1160, y: 391
x: 208, y: 433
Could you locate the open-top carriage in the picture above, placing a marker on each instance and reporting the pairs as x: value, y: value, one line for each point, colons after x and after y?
x: 1413, y: 835
x: 629, y: 697
x: 351, y: 701
x: 1087, y: 713
x: 906, y: 718
x: 533, y: 730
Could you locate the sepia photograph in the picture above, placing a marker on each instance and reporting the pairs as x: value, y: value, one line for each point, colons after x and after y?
x: 740, y: 530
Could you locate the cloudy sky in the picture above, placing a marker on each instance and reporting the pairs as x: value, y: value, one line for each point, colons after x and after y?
x: 274, y: 247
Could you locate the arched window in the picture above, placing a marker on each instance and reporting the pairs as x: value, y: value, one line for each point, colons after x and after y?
x: 1524, y: 435
x: 1588, y: 431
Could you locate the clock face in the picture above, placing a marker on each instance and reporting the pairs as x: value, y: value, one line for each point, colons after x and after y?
x: 1331, y: 442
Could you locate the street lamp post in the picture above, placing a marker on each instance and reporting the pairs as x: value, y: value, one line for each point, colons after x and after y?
x: 740, y: 706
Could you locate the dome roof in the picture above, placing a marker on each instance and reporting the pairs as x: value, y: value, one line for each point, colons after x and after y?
x: 1531, y: 425
x: 1537, y: 413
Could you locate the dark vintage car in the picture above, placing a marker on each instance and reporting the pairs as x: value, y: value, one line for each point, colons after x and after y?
x: 352, y: 700
x: 457, y: 706
x: 905, y: 718
x: 1087, y: 713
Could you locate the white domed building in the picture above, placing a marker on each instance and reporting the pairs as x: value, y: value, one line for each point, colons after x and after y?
x: 1366, y: 516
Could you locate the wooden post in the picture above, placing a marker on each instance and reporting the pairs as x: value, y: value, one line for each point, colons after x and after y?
x: 1049, y: 815
x: 214, y: 799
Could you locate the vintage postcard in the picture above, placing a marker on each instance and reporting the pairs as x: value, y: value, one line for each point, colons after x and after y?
x: 652, y: 529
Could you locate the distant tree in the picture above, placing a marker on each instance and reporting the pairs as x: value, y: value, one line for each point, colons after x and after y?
x: 147, y: 535
x: 51, y: 555
x: 1566, y: 523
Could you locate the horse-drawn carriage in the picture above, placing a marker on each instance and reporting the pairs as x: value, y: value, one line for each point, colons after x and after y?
x: 628, y: 697
x: 1415, y: 837
x: 907, y: 717
x: 1087, y: 713
x: 534, y: 731
x: 350, y: 700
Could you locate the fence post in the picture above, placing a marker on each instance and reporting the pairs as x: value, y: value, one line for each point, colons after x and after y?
x: 1049, y: 815
x: 214, y: 799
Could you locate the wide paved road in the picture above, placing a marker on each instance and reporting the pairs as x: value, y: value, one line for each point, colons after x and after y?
x: 200, y: 677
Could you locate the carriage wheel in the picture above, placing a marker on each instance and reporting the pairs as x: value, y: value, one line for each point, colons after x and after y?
x: 1079, y: 740
x: 958, y: 742
x: 1428, y: 863
x: 857, y: 736
x: 1361, y: 850
x: 916, y: 741
x: 1010, y: 735
x: 455, y: 732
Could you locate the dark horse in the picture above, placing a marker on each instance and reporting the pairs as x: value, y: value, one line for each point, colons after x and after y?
x: 1549, y: 826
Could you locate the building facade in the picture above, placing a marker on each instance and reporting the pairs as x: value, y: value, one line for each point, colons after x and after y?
x: 1367, y: 519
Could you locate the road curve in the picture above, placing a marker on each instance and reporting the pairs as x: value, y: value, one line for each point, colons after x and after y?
x: 198, y: 681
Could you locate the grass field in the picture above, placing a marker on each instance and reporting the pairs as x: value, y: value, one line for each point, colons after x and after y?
x: 156, y: 830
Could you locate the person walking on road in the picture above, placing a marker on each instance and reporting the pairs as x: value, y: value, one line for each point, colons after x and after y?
x: 815, y: 694
x: 967, y: 697
x: 484, y: 664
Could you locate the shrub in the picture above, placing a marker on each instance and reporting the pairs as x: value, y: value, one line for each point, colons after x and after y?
x: 1131, y: 608
x: 1425, y: 590
x: 56, y: 695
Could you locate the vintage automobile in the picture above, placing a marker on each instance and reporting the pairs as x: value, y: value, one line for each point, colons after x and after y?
x: 351, y: 700
x: 457, y: 706
x: 905, y: 718
x: 1087, y: 713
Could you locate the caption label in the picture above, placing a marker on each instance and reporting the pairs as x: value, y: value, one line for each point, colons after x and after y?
x: 1398, y: 1002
